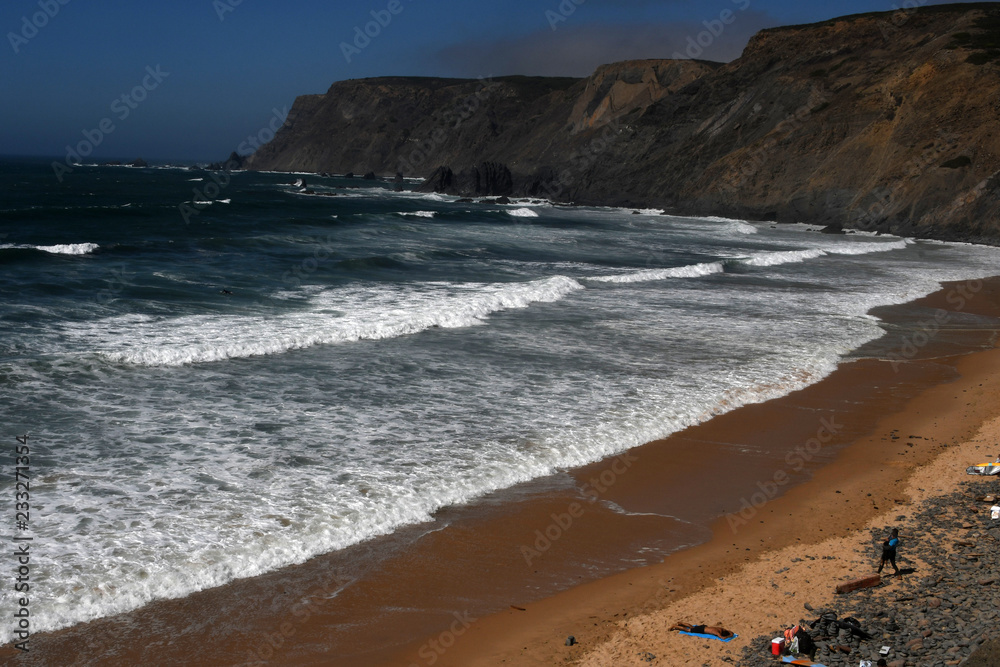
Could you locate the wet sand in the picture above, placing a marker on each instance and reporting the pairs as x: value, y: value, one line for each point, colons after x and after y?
x: 918, y: 446
x: 431, y: 594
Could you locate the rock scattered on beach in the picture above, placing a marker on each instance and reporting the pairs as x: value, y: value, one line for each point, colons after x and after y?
x: 934, y: 615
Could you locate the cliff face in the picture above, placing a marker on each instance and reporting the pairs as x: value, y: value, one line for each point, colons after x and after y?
x: 616, y: 90
x: 414, y: 125
x: 883, y: 121
x: 391, y: 124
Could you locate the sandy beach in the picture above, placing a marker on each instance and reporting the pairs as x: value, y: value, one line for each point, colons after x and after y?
x: 798, y: 482
x: 761, y: 567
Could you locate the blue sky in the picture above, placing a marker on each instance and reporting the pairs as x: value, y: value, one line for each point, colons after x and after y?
x: 200, y: 76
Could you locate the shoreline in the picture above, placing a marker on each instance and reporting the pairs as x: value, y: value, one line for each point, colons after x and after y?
x: 426, y: 580
x: 623, y: 619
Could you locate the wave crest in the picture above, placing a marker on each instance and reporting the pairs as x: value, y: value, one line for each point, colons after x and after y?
x: 690, y: 271
x: 364, y: 315
x: 60, y: 249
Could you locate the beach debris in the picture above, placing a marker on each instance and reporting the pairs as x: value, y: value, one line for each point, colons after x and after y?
x: 989, y: 468
x: 647, y: 656
x: 938, y: 617
x: 570, y: 641
x: 518, y: 608
x: 857, y: 584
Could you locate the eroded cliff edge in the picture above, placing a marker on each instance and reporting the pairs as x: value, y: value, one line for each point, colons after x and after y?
x: 887, y: 122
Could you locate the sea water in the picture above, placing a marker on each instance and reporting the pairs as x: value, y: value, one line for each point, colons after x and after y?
x: 217, y: 388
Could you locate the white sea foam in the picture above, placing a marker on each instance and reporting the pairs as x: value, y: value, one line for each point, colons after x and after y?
x: 867, y: 248
x: 176, y: 480
x: 781, y: 257
x: 742, y: 227
x: 795, y: 256
x: 419, y: 214
x: 690, y: 271
x: 429, y: 196
x: 712, y: 218
x: 522, y: 213
x: 360, y: 315
x: 761, y: 259
x: 62, y: 249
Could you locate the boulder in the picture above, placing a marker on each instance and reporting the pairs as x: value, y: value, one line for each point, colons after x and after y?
x: 441, y: 180
x: 488, y: 179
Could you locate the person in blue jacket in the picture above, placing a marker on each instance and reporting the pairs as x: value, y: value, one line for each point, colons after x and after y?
x: 889, y: 551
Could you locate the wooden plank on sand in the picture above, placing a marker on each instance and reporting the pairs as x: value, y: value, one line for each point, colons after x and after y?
x: 864, y: 582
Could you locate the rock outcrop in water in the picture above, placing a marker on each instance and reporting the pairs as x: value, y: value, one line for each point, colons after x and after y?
x: 485, y: 180
x: 884, y: 122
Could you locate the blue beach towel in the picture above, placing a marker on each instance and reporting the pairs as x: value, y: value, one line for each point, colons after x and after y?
x: 704, y: 636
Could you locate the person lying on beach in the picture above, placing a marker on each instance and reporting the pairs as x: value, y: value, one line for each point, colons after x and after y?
x: 721, y: 633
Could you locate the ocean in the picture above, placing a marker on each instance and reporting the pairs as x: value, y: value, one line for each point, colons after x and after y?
x: 217, y: 390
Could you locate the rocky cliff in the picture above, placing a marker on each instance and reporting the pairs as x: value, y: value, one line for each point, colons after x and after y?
x: 881, y: 121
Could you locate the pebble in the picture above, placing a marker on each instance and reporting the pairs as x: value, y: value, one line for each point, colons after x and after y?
x: 936, y: 615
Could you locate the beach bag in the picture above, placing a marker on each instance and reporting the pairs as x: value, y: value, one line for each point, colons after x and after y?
x: 806, y: 643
